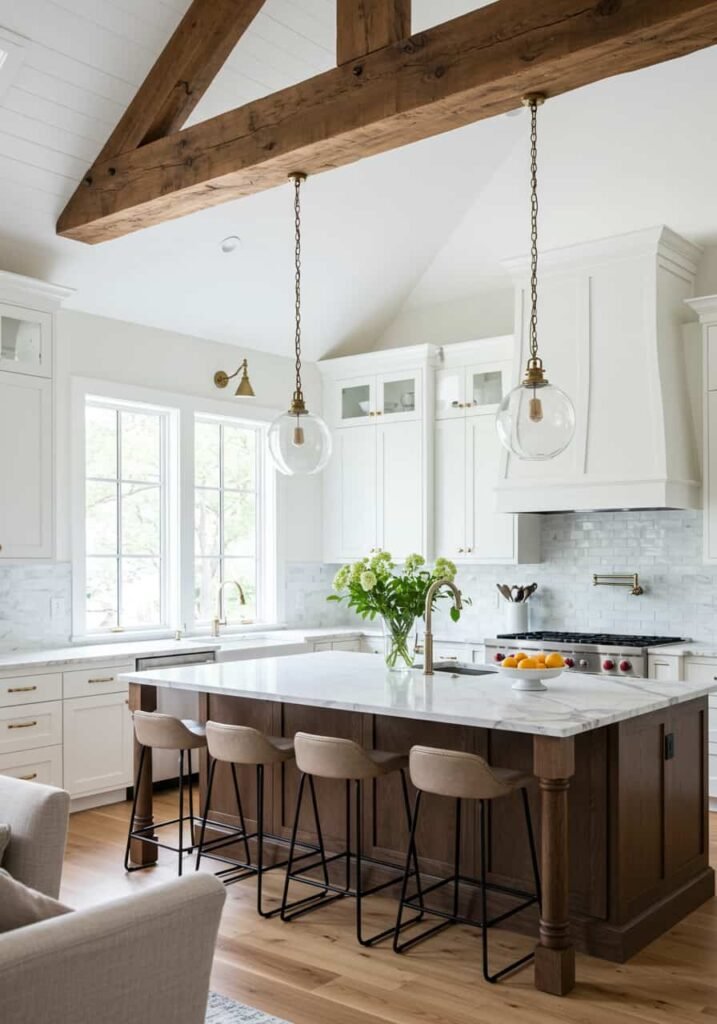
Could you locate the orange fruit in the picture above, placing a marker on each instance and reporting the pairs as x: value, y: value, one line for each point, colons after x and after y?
x: 509, y: 662
x: 529, y: 663
x: 519, y: 656
x: 555, y: 660
x: 541, y: 656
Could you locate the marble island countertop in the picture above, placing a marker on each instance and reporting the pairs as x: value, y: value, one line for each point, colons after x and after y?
x: 361, y: 682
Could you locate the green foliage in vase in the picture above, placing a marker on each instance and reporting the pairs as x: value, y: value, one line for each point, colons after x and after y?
x: 375, y: 586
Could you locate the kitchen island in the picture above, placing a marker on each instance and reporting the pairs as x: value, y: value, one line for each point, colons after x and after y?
x: 620, y: 792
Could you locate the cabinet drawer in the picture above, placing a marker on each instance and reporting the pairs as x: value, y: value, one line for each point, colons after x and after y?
x: 43, y: 765
x: 346, y: 645
x: 31, y: 726
x: 700, y: 671
x: 371, y: 645
x: 89, y: 682
x: 30, y: 689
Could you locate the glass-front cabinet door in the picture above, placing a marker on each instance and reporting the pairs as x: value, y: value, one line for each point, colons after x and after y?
x: 399, y: 395
x: 25, y: 341
x: 485, y: 386
x: 354, y: 402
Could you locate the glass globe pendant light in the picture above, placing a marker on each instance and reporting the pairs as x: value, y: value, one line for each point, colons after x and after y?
x: 299, y: 441
x: 535, y: 420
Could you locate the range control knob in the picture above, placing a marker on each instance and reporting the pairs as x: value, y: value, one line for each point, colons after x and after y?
x: 625, y: 666
x: 569, y: 662
x: 608, y: 665
x: 583, y: 663
x: 499, y: 656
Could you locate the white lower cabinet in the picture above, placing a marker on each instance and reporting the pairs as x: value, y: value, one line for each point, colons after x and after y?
x: 43, y: 765
x: 97, y: 743
x: 30, y: 726
x: 468, y: 526
x: 337, y: 645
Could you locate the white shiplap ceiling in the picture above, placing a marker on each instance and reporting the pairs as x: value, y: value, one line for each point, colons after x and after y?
x: 437, y: 215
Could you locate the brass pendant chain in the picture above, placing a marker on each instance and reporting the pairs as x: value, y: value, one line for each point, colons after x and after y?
x: 297, y: 402
x: 534, y: 375
x: 533, y: 227
x: 297, y: 283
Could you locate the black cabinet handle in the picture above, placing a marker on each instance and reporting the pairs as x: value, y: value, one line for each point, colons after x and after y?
x: 669, y: 746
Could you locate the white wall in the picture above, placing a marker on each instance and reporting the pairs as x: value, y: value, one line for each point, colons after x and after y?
x: 482, y: 314
x: 121, y: 352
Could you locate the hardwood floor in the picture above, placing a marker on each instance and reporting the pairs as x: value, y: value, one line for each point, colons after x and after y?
x: 313, y: 972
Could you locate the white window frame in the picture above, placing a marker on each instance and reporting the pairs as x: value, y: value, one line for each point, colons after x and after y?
x: 180, y: 501
x: 265, y: 601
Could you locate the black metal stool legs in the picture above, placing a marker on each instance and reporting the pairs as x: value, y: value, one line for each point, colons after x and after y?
x: 146, y: 834
x: 353, y: 852
x: 238, y: 870
x: 454, y: 916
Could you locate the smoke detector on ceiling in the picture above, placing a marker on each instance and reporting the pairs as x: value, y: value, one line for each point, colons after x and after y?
x: 12, y: 55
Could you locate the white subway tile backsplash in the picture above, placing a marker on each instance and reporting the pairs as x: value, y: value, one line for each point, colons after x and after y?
x: 27, y: 590
x: 664, y: 547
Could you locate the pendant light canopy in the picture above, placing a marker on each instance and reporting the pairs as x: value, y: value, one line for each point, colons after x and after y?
x: 299, y: 441
x: 535, y: 420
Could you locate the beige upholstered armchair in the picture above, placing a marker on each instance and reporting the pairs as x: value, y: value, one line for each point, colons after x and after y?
x: 146, y: 957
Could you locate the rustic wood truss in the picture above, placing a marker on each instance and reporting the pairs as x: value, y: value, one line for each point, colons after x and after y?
x: 389, y: 88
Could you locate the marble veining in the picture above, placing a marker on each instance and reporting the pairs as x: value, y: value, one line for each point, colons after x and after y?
x: 361, y: 682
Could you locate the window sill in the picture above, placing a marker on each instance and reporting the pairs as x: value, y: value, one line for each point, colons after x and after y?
x: 228, y: 632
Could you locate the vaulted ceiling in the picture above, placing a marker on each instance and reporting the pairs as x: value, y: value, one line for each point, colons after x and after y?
x: 420, y: 225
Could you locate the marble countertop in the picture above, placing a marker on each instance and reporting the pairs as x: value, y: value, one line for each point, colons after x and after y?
x: 122, y: 651
x: 361, y: 682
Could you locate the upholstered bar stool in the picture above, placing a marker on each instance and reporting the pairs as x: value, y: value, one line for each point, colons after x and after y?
x: 329, y: 757
x: 155, y: 731
x: 241, y: 745
x: 463, y: 776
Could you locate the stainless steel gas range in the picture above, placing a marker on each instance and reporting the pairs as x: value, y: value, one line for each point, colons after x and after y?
x: 609, y: 654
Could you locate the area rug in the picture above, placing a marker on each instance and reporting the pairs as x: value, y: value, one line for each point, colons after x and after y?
x: 221, y: 1010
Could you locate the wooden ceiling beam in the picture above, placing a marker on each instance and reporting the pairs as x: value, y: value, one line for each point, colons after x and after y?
x: 363, y: 26
x: 467, y: 69
x: 197, y: 50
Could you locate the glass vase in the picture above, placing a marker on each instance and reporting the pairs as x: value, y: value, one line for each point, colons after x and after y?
x: 399, y: 643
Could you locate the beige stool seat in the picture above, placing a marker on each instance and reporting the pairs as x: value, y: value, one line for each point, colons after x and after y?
x: 461, y: 775
x: 165, y: 732
x: 241, y: 744
x: 331, y: 757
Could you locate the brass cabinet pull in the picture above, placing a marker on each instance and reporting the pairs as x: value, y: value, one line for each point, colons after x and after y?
x: 379, y: 413
x: 102, y: 679
x: 27, y: 778
x: 21, y: 725
x: 21, y: 689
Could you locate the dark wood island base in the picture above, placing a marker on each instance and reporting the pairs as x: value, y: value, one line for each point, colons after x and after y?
x: 620, y: 811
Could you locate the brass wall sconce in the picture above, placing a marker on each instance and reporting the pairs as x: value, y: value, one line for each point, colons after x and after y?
x: 221, y: 379
x: 631, y: 580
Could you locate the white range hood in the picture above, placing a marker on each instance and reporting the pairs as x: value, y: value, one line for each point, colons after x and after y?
x: 610, y: 330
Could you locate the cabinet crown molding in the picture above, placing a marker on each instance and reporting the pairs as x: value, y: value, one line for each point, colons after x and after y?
x: 705, y: 306
x: 660, y: 240
x: 383, y: 358
x: 31, y: 292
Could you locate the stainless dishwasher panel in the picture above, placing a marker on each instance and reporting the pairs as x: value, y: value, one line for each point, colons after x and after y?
x: 179, y: 704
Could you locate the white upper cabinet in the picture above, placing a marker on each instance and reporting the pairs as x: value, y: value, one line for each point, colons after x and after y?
x: 706, y: 309
x: 471, y: 390
x: 25, y: 466
x: 469, y: 460
x: 376, y: 483
x: 354, y: 401
x: 25, y: 340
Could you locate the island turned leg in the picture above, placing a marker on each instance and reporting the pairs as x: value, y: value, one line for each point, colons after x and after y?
x: 554, y: 764
x: 143, y: 698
